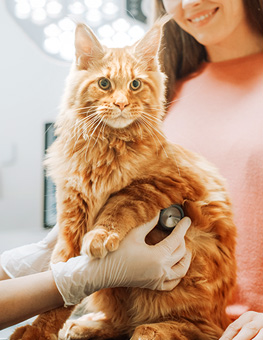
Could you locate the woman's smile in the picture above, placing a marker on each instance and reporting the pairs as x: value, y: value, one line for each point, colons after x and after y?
x: 221, y: 26
x: 203, y: 17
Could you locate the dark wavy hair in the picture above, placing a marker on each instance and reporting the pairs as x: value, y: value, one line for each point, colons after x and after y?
x: 181, y: 54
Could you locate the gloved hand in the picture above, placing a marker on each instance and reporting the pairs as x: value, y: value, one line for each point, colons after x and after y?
x: 247, y: 327
x: 133, y: 264
x: 31, y: 258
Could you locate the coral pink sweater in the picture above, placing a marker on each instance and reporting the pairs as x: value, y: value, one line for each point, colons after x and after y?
x: 218, y: 112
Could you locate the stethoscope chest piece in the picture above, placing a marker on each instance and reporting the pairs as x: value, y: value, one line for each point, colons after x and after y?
x: 170, y: 216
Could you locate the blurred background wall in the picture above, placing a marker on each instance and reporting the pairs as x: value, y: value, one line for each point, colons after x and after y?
x: 31, y: 85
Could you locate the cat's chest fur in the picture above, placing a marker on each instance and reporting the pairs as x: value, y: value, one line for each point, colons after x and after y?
x: 107, y: 166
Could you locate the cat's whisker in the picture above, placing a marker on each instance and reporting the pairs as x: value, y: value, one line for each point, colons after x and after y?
x: 154, y: 122
x: 86, y: 112
x: 102, y: 127
x: 144, y: 122
x: 92, y: 114
x: 71, y: 137
x: 87, y: 120
x: 155, y: 107
x: 77, y: 131
x: 79, y: 135
x: 90, y: 121
x: 153, y: 126
x: 90, y: 137
x: 88, y: 146
x: 150, y: 117
x: 140, y: 128
x: 78, y: 124
x: 167, y: 104
x: 154, y: 129
x: 150, y: 124
x: 96, y: 124
x: 87, y: 108
x: 151, y: 112
x: 99, y: 120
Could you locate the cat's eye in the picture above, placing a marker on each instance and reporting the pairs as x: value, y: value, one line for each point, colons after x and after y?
x: 135, y: 84
x: 104, y: 83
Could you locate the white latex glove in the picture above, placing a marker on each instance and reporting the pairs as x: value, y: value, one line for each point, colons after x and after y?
x: 133, y: 264
x: 248, y: 326
x: 31, y: 258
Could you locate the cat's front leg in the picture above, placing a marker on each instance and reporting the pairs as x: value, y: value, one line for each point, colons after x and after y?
x: 100, y: 241
x: 123, y: 212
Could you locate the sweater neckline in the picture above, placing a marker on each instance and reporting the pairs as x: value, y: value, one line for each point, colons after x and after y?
x: 235, y: 61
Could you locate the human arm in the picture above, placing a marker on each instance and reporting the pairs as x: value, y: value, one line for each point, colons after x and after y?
x: 134, y: 264
x: 248, y: 326
x: 27, y: 296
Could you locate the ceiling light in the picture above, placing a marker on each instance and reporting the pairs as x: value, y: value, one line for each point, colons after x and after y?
x: 50, y: 25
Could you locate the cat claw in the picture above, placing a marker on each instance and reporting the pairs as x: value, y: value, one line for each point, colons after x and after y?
x: 97, y: 243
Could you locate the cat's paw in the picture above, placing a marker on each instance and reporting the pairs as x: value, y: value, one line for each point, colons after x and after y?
x: 98, y: 242
x: 29, y: 332
x: 89, y: 326
x: 147, y: 332
x: 70, y: 330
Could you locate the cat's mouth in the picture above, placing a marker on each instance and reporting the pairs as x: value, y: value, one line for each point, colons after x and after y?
x: 119, y: 121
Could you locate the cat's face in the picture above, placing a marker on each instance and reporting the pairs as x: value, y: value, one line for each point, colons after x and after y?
x: 117, y: 88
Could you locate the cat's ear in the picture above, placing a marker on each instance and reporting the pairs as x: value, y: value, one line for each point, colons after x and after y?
x: 87, y: 46
x: 147, y: 48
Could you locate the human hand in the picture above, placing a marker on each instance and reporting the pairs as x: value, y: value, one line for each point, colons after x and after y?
x: 31, y: 258
x: 248, y: 326
x: 133, y: 264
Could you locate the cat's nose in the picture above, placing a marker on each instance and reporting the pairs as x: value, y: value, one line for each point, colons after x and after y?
x: 121, y: 101
x: 121, y: 105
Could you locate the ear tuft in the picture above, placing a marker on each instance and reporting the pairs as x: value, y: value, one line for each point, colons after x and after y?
x: 87, y: 46
x: 147, y: 48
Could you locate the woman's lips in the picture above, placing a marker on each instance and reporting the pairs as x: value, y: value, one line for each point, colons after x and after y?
x: 202, y: 17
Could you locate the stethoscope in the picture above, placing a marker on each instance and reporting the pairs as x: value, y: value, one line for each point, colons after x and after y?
x: 169, y: 217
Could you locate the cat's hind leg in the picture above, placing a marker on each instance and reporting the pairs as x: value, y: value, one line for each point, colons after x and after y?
x: 172, y: 330
x: 108, y: 319
x: 89, y: 326
x: 45, y: 327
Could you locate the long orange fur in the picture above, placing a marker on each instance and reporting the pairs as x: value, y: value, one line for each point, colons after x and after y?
x: 113, y: 177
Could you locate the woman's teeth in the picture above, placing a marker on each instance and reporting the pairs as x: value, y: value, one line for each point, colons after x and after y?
x: 202, y: 17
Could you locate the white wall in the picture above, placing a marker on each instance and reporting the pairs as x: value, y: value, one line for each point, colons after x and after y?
x: 31, y: 85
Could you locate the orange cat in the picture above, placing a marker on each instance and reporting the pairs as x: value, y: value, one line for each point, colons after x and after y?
x: 114, y: 170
